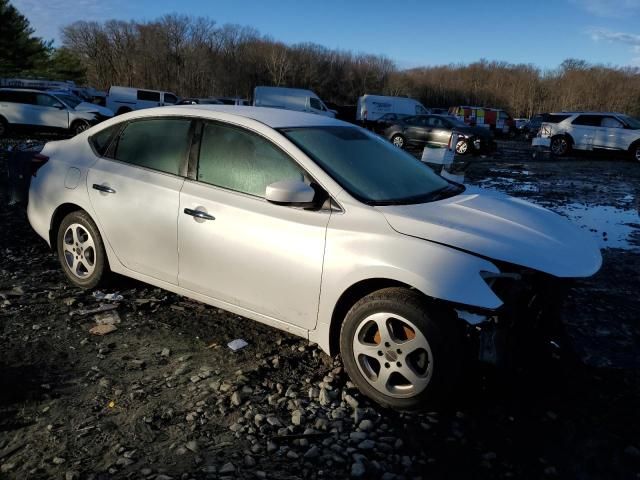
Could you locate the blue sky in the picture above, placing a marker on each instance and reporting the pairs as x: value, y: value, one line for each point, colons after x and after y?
x: 410, y: 32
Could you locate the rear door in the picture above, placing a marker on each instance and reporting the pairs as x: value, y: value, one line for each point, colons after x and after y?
x: 136, y: 194
x: 248, y: 252
x: 416, y: 130
x: 583, y: 130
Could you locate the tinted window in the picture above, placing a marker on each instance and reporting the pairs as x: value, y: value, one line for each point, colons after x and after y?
x: 148, y: 96
x: 420, y: 110
x: 315, y: 103
x: 242, y: 161
x: 554, y: 118
x: 170, y: 98
x: 588, y: 120
x: 160, y: 143
x: 437, y: 122
x: 47, y: 100
x: 367, y: 166
x: 102, y: 139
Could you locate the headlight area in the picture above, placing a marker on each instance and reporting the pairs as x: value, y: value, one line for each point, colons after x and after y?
x: 529, y: 321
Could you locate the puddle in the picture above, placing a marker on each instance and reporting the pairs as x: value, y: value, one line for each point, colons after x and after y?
x: 611, y: 227
x: 513, y: 184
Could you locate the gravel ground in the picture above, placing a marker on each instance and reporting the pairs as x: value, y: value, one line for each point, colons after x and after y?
x: 163, y: 397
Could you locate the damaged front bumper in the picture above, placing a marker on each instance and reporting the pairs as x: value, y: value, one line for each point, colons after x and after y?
x: 529, y: 321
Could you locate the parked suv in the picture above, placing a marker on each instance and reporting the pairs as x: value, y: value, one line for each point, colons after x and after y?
x: 592, y: 130
x: 42, y: 110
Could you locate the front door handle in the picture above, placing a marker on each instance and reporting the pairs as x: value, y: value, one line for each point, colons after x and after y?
x: 103, y: 188
x: 199, y: 214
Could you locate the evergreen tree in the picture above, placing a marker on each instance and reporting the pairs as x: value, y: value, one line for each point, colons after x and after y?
x: 20, y: 51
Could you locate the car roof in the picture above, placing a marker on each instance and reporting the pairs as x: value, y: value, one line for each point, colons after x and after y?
x: 586, y: 113
x: 32, y: 90
x: 272, y: 117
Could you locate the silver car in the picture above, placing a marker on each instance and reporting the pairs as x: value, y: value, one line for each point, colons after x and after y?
x: 311, y: 225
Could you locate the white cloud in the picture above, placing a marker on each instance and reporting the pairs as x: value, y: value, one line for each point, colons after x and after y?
x: 610, y: 8
x: 630, y: 39
x: 48, y: 16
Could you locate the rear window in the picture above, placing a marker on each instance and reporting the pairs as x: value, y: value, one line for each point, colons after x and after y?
x: 588, y: 120
x: 13, y: 96
x: 148, y: 96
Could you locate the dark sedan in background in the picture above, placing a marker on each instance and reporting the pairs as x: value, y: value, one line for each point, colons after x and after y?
x: 385, y: 121
x: 436, y: 130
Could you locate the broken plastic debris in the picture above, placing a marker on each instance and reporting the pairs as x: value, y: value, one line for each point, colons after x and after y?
x: 107, y: 318
x: 237, y: 344
x: 111, y: 404
x: 111, y: 297
x: 102, y: 329
x: 101, y: 308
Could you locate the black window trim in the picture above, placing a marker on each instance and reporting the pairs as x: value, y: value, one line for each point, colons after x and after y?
x: 184, y: 162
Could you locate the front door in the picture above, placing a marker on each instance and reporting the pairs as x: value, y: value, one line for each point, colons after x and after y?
x: 136, y: 194
x: 241, y: 249
x: 49, y: 112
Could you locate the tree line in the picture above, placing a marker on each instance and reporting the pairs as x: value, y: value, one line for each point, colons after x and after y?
x: 195, y: 56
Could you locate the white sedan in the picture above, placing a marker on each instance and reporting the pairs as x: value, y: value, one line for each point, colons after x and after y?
x: 310, y: 225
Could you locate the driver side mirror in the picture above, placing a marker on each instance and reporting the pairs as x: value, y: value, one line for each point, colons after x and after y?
x: 290, y: 192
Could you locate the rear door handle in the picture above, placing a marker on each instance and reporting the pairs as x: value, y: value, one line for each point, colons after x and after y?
x: 199, y: 214
x: 103, y: 188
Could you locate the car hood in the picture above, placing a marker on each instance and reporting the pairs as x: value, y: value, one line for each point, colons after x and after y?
x: 502, y: 228
x: 93, y: 108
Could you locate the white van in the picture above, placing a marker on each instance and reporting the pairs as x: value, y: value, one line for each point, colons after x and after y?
x: 125, y: 99
x: 290, y: 99
x: 372, y: 107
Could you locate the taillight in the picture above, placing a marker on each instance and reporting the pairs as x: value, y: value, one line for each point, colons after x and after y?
x: 37, y: 161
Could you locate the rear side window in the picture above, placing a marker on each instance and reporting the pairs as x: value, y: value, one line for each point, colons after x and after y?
x: 553, y: 118
x: 160, y: 144
x: 101, y: 140
x: 588, y: 120
x: 148, y: 96
x: 242, y: 161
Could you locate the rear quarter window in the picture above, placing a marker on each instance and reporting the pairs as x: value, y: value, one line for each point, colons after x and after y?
x: 101, y: 140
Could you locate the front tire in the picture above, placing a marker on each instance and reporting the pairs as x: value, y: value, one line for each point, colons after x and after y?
x: 401, y: 351
x: 462, y: 147
x: 635, y: 152
x: 4, y: 127
x: 560, y: 145
x: 398, y: 140
x: 81, y: 251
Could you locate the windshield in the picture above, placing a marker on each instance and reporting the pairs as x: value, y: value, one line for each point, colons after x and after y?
x: 632, y: 122
x: 70, y: 100
x: 367, y: 166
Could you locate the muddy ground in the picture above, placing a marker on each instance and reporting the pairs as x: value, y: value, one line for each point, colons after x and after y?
x: 163, y: 396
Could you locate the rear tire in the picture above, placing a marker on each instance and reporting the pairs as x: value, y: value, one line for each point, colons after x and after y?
x: 4, y: 127
x: 79, y: 126
x: 400, y: 350
x: 560, y: 145
x: 81, y: 250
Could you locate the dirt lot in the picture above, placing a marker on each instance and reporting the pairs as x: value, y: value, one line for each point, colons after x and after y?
x: 163, y: 396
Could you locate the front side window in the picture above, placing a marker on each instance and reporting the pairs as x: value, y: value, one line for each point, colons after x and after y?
x: 315, y: 103
x: 160, y: 144
x: 611, y: 122
x: 47, y: 101
x: 148, y: 96
x: 242, y: 161
x: 368, y: 167
x: 170, y: 98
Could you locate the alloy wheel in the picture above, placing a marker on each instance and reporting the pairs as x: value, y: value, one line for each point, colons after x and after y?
x: 559, y: 146
x: 393, y: 355
x: 398, y: 141
x: 461, y: 147
x: 79, y: 251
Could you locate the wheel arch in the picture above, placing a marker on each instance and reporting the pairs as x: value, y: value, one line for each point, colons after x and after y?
x: 56, y: 219
x: 349, y: 298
